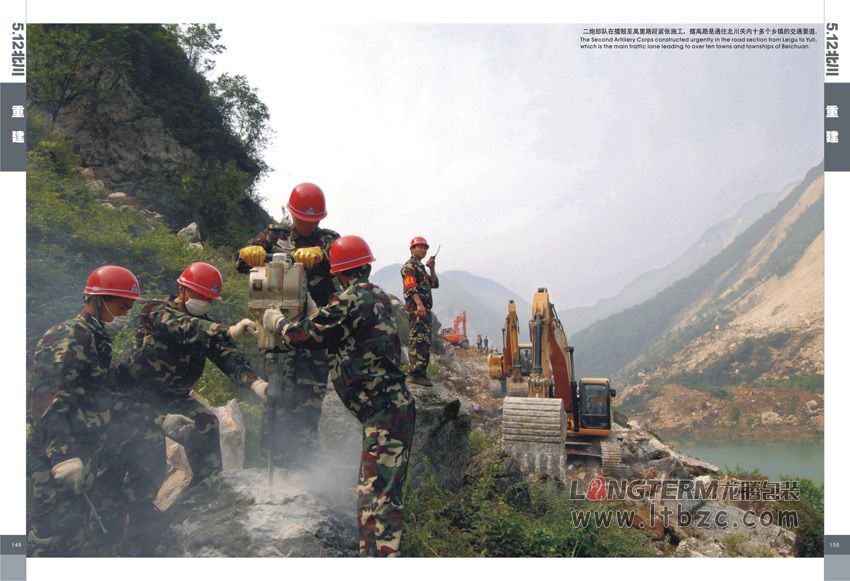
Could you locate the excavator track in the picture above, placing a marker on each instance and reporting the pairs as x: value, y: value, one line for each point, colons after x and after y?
x: 533, y: 430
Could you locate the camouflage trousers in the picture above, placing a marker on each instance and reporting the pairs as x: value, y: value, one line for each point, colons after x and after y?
x: 304, y: 380
x: 419, y: 343
x: 203, y: 448
x: 122, y: 478
x: 387, y: 439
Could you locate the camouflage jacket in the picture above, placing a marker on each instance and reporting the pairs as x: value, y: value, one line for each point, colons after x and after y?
x: 319, y: 279
x: 417, y: 281
x: 171, y: 347
x: 72, y: 394
x: 358, y: 329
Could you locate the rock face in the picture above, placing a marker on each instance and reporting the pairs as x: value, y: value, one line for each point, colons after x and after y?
x: 237, y: 515
x: 440, y: 442
x: 138, y: 144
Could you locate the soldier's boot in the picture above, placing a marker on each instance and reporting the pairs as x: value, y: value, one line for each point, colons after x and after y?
x: 143, y: 530
x: 420, y: 380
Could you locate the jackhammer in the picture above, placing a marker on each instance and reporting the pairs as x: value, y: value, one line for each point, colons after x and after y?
x: 280, y: 284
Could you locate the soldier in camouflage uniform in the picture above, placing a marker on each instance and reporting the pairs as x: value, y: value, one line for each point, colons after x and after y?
x: 84, y: 438
x: 418, y: 303
x: 170, y: 349
x: 305, y: 371
x: 358, y: 328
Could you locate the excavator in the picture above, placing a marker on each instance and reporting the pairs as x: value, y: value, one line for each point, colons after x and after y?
x: 559, y: 420
x: 507, y: 369
x: 454, y: 335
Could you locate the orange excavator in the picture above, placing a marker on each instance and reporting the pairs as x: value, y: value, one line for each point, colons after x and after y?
x: 507, y: 369
x: 559, y: 419
x: 457, y: 336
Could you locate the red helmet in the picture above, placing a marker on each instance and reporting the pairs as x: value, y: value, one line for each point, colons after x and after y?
x: 307, y: 202
x: 202, y: 278
x: 418, y: 240
x: 115, y: 281
x: 349, y: 252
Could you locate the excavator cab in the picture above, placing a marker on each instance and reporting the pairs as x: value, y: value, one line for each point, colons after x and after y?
x: 594, y: 396
x: 525, y: 359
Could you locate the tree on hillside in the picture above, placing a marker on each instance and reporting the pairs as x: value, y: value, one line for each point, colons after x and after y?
x: 247, y: 115
x: 199, y: 42
x: 66, y: 71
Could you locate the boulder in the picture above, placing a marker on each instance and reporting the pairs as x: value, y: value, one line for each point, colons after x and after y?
x: 441, y: 438
x: 88, y: 174
x: 770, y: 418
x: 117, y: 197
x: 440, y: 443
x: 151, y: 214
x: 694, y: 547
x: 96, y: 186
x: 191, y: 232
x: 236, y: 514
x: 645, y: 456
x: 196, y: 245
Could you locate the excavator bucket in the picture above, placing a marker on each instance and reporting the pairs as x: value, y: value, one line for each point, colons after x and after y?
x: 534, y: 431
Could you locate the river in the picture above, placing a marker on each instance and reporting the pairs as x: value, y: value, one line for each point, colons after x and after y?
x: 773, y: 458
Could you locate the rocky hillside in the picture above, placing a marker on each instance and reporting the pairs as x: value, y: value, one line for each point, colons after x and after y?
x: 652, y: 282
x: 738, y: 345
x: 144, y: 122
x: 755, y: 311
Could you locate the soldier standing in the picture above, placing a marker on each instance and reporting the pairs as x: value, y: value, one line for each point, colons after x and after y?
x: 174, y: 339
x: 358, y: 328
x: 305, y: 371
x: 418, y: 303
x: 486, y: 343
x: 94, y: 457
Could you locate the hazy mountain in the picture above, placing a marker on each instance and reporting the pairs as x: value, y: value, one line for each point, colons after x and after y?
x: 752, y: 312
x: 485, y: 301
x: 652, y: 282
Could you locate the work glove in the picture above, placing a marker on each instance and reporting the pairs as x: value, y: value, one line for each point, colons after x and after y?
x: 70, y: 473
x: 177, y: 426
x: 260, y: 388
x: 253, y: 255
x: 273, y: 321
x: 309, y: 257
x: 238, y: 331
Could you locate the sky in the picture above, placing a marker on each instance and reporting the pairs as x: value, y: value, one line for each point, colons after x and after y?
x: 531, y: 161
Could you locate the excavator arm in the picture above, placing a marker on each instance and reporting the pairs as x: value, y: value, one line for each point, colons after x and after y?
x: 507, y: 365
x: 552, y: 369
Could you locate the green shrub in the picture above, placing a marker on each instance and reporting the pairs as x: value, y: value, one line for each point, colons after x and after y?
x: 527, y: 520
x: 739, y: 545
